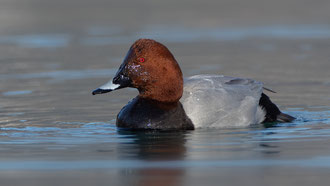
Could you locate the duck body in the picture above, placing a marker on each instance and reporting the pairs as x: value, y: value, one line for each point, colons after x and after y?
x: 208, y: 101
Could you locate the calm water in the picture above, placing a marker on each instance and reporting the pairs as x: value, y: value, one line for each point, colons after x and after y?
x: 53, y: 131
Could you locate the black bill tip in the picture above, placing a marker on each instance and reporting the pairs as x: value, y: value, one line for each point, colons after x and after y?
x: 100, y: 91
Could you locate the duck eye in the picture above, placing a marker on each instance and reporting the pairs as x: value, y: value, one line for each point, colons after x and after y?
x: 141, y: 59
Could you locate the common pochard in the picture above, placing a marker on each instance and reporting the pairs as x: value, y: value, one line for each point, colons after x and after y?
x: 207, y: 100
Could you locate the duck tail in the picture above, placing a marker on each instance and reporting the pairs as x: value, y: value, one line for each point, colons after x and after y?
x: 285, y: 118
x: 272, y: 112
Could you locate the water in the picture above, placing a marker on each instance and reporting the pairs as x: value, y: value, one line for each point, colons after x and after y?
x: 53, y: 131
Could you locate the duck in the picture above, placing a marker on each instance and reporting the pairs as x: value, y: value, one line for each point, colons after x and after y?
x: 168, y: 102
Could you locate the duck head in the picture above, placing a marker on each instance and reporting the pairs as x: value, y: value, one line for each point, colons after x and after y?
x: 152, y: 69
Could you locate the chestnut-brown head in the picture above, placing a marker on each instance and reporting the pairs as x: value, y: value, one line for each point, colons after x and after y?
x: 151, y: 68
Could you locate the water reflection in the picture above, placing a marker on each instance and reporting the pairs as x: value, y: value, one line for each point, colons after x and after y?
x: 155, y: 146
x: 269, y: 148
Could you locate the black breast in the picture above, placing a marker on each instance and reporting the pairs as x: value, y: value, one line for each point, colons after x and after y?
x: 143, y: 114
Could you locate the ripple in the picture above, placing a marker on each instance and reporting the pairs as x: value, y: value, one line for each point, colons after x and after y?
x: 63, y: 74
x: 15, y: 93
x: 37, y: 41
x: 64, y: 133
x: 318, y: 162
x: 183, y: 34
x: 31, y: 129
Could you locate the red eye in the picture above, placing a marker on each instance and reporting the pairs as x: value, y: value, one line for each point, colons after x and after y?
x: 141, y: 60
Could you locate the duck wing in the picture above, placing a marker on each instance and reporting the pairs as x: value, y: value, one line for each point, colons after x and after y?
x: 222, y: 101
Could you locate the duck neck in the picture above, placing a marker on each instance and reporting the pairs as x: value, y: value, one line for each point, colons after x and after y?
x: 167, y: 92
x: 160, y: 104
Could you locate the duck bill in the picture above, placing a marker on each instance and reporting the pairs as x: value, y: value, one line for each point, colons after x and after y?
x: 118, y: 82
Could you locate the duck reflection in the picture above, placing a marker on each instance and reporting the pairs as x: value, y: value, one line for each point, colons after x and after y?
x: 154, y: 146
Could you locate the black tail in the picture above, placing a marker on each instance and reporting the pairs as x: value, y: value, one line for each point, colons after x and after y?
x: 285, y: 118
x: 273, y: 114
